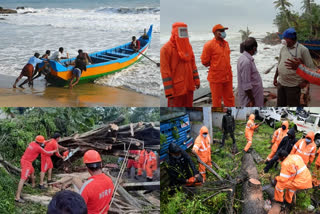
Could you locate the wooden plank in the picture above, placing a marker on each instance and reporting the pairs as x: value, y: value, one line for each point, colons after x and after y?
x: 155, y: 185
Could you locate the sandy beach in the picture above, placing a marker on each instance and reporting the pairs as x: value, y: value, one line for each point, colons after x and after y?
x: 81, y: 95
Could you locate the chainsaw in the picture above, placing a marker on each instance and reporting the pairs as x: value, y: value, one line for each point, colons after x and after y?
x: 69, y: 153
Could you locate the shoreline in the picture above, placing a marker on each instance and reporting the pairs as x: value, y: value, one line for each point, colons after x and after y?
x: 82, y: 95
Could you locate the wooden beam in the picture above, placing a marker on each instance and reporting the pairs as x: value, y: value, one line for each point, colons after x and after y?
x: 155, y: 185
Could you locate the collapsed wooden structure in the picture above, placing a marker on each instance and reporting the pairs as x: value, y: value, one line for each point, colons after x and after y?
x: 112, y: 139
x: 132, y: 196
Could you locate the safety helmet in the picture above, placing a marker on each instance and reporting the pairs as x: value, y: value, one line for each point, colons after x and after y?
x: 229, y: 111
x: 40, y: 139
x: 91, y: 156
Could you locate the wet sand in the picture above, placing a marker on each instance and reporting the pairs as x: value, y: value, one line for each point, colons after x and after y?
x: 81, y: 95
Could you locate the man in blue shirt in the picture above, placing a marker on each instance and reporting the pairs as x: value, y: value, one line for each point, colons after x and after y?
x: 28, y: 70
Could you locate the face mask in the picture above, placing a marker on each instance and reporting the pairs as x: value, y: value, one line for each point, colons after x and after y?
x: 284, y: 42
x: 204, y: 135
x: 283, y: 127
x: 183, y: 32
x: 308, y: 140
x: 290, y: 136
x: 223, y: 35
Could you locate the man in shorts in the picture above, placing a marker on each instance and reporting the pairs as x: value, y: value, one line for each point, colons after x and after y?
x: 28, y: 70
x: 80, y: 65
x: 46, y: 162
x: 31, y: 153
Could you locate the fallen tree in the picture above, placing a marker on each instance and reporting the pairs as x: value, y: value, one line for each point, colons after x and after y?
x: 252, y: 189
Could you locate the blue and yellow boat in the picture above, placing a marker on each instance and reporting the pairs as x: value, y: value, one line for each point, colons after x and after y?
x: 103, y: 63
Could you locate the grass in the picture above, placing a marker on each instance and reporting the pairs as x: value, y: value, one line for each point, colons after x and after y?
x: 231, y: 164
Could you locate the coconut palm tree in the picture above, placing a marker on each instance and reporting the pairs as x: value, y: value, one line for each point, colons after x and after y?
x: 245, y: 34
x: 306, y: 5
x: 283, y: 5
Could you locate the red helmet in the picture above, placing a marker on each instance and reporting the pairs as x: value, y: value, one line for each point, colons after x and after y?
x: 91, y: 156
x: 40, y: 139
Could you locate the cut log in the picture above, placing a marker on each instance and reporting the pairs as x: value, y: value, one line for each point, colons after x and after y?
x: 275, y: 209
x: 155, y: 185
x: 252, y: 189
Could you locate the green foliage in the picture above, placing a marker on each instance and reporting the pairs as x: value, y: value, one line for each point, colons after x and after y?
x: 303, y: 199
x: 7, y: 190
x: 163, y: 138
x: 278, y: 124
x: 183, y: 203
x: 307, y: 24
x: 175, y: 133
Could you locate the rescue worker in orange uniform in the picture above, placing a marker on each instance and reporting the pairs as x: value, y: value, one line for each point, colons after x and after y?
x: 250, y: 127
x: 294, y: 175
x: 97, y: 191
x: 202, y: 148
x: 31, y: 153
x: 148, y: 163
x: 316, y: 172
x: 46, y: 162
x: 278, y: 135
x: 216, y: 55
x: 306, y: 148
x: 132, y: 163
x: 178, y: 68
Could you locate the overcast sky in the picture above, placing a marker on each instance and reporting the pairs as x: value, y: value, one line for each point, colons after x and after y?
x: 202, y: 15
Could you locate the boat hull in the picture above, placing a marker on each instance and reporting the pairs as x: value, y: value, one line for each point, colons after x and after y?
x: 92, y: 73
x: 105, y: 63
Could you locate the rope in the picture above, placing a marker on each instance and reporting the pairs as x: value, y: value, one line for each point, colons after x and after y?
x: 122, y: 168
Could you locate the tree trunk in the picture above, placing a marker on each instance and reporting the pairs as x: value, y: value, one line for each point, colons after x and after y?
x: 252, y: 189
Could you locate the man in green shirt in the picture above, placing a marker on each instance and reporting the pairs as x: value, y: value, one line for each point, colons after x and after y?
x: 289, y: 84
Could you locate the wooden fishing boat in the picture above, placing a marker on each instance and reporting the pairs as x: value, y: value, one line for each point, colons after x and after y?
x: 103, y: 63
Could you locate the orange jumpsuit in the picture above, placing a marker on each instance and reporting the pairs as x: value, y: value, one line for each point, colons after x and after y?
x: 202, y: 148
x: 147, y: 162
x: 278, y: 135
x: 250, y: 127
x: 294, y: 175
x: 178, y: 68
x: 216, y: 54
x: 307, y: 152
x: 316, y: 172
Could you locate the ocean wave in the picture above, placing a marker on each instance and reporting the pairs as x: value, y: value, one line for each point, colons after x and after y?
x: 127, y: 10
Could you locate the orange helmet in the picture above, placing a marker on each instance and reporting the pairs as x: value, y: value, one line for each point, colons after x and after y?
x: 91, y: 156
x: 40, y: 139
